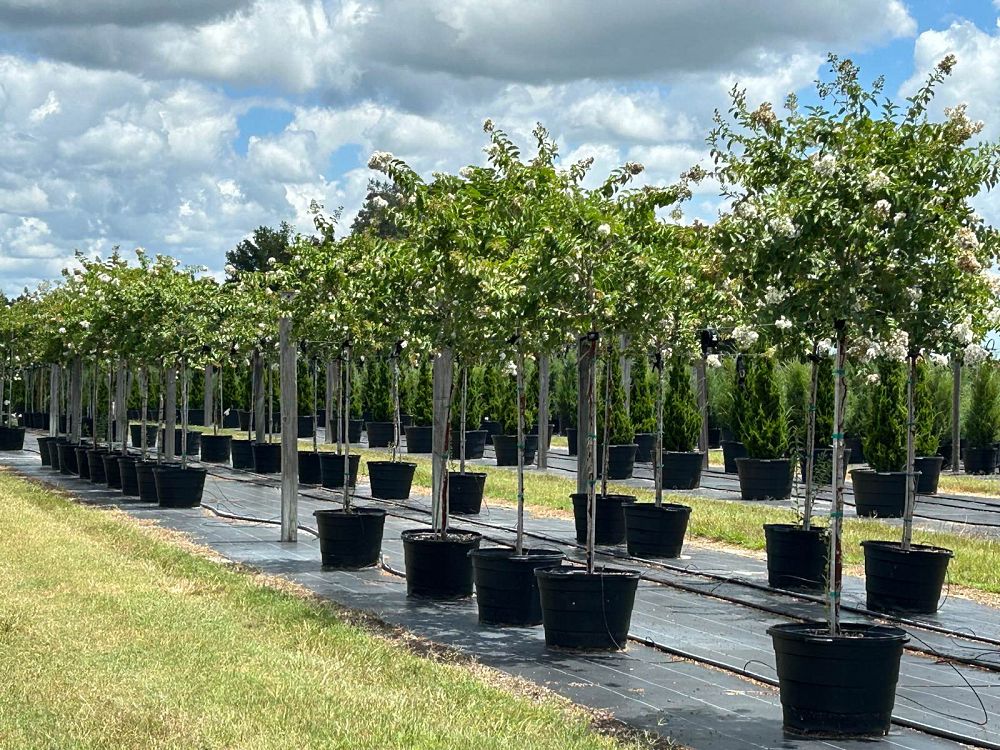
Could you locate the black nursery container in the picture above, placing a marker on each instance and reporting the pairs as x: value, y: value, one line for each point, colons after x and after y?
x: 267, y: 458
x: 898, y: 581
x: 583, y: 610
x: 492, y: 428
x: 879, y: 494
x: 841, y: 686
x: 732, y: 450
x: 465, y: 492
x: 475, y: 444
x: 436, y: 567
x: 128, y: 477
x: 380, y: 434
x: 193, y: 441
x: 506, y: 586
x: 82, y: 464
x: 177, y: 487
x: 67, y: 458
x: 147, y: 480
x: 765, y: 479
x: 112, y: 471
x: 796, y: 557
x: 54, y: 452
x: 43, y: 450
x: 305, y: 427
x: 571, y: 438
x: 241, y: 453
x: 331, y: 469
x: 823, y: 465
x: 645, y: 445
x: 11, y: 438
x: 681, y: 470
x: 95, y: 465
x: 655, y: 531
x: 350, y: 539
x: 621, y: 460
x: 135, y: 433
x: 419, y: 439
x: 609, y: 517
x: 505, y: 449
x: 930, y: 473
x: 309, y: 471
x: 215, y: 449
x: 391, y: 480
x: 714, y: 437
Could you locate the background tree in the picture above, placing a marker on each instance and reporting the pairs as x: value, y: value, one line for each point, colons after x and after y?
x: 264, y: 250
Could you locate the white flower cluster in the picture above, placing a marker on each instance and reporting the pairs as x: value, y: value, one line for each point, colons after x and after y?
x: 782, y: 323
x: 899, y: 217
x: 466, y: 173
x: 104, y: 278
x: 713, y: 361
x: 898, y: 347
x: 964, y: 127
x: 873, y: 378
x: 745, y: 337
x: 938, y: 359
x: 967, y: 239
x: 973, y: 354
x: 774, y: 296
x: 962, y: 333
x: 230, y: 269
x: 763, y: 115
x: 85, y: 324
x: 746, y: 210
x: 783, y: 226
x: 380, y: 160
x: 825, y: 164
x: 883, y: 209
x: 877, y: 180
x: 968, y: 262
x: 379, y: 202
x: 604, y: 230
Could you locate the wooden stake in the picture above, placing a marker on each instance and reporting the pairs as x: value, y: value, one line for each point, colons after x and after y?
x: 442, y: 382
x: 956, y: 405
x: 331, y: 378
x: 807, y: 505
x: 543, y: 412
x: 170, y: 412
x: 76, y: 400
x: 911, y: 435
x: 836, y: 570
x: 54, y: 371
x: 208, y: 405
x: 701, y: 376
x: 583, y: 354
x: 258, y: 396
x: 289, y: 433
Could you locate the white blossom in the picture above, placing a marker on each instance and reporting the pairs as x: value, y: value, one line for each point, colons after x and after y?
x: 962, y: 333
x: 85, y: 324
x: 466, y: 173
x: 230, y: 269
x: 899, y: 217
x: 783, y: 323
x: 883, y: 209
x: 967, y: 239
x: 379, y: 202
x: 271, y: 261
x: 873, y: 378
x: 877, y: 180
x: 604, y: 230
x: 62, y: 329
x: 898, y: 347
x: 379, y: 160
x: 412, y: 200
x: 973, y: 354
x: 745, y: 337
x: 969, y: 263
x: 104, y: 278
x: 713, y: 360
x: 746, y: 210
x: 783, y: 226
x: 938, y: 359
x: 825, y: 165
x: 773, y: 295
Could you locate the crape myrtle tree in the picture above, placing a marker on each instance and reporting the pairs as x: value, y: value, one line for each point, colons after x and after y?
x: 847, y: 201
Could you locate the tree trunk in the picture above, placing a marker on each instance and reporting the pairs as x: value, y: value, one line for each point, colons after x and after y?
x: 184, y: 413
x: 170, y: 409
x: 836, y: 570
x: 462, y: 420
x: 956, y: 406
x: 807, y: 505
x: 911, y: 435
x: 54, y: 373
x: 258, y: 396
x: 208, y: 405
x: 345, y: 411
x: 591, y: 449
x: 121, y: 408
x: 442, y: 382
x: 396, y: 417
x: 289, y: 432
x: 144, y: 405
x: 519, y: 544
x: 583, y: 354
x: 543, y: 412
x: 658, y: 454
x: 76, y: 400
x: 606, y: 452
x: 331, y: 379
x: 702, y: 383
x: 315, y: 404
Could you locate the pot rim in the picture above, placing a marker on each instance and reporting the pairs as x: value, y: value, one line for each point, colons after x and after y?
x: 897, y: 547
x: 882, y: 473
x: 610, y: 496
x: 854, y: 632
x: 359, y: 510
x: 741, y: 459
x: 509, y: 553
x: 383, y: 462
x: 665, y: 507
x: 429, y: 536
x: 795, y: 527
x: 576, y: 571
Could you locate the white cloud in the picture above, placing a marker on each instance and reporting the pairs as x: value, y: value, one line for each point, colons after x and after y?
x: 49, y: 107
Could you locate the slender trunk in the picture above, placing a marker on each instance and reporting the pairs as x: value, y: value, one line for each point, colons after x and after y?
x: 836, y: 570
x: 160, y: 444
x: 346, y: 411
x: 519, y: 546
x: 111, y: 407
x: 258, y: 396
x: 440, y: 435
x: 658, y: 455
x: 702, y: 384
x: 461, y: 420
x: 289, y: 414
x: 606, y: 449
x: 315, y: 409
x: 208, y: 402
x: 956, y: 403
x: 170, y: 406
x: 591, y: 450
x: 582, y: 415
x: 543, y: 412
x: 328, y: 430
x: 144, y: 405
x: 911, y: 434
x: 269, y: 380
x: 396, y: 418
x: 76, y: 400
x: 217, y: 423
x: 339, y: 391
x: 184, y: 413
x: 94, y: 402
x: 807, y: 505
x: 54, y: 373
x: 121, y: 407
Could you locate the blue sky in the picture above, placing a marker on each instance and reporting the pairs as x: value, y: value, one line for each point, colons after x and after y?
x: 182, y: 126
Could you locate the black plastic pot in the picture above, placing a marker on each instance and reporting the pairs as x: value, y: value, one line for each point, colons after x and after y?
x: 475, y: 444
x: 246, y: 418
x: 267, y: 458
x: 731, y: 450
x: 147, y: 480
x: 930, y: 473
x: 309, y: 471
x: 350, y: 539
x: 305, y: 427
x: 177, y: 487
x: 112, y: 471
x: 380, y: 434
x: 135, y: 432
x: 823, y: 465
x: 853, y: 443
x: 11, y: 438
x: 765, y: 478
x: 796, y: 557
x: 571, y: 439
x: 95, y: 464
x: 82, y: 464
x: 837, y: 686
x: 492, y: 428
x: 419, y: 439
x: 609, y: 518
x: 197, y: 417
x: 439, y: 568
x: 55, y: 454
x: 714, y: 437
x: 944, y: 450
x: 506, y: 586
x: 621, y: 461
x: 655, y: 532
x: 904, y: 582
x: 231, y: 419
x: 533, y: 432
x: 43, y: 450
x: 645, y: 444
x: 505, y: 449
x: 879, y: 494
x: 980, y: 460
x: 391, y: 480
x: 241, y: 453
x: 128, y: 478
x: 465, y: 492
x: 583, y: 610
x: 67, y: 458
x: 331, y: 469
x: 215, y: 449
x: 193, y: 441
x: 681, y: 470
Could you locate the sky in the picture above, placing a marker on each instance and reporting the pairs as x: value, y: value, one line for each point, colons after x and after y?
x: 181, y: 126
